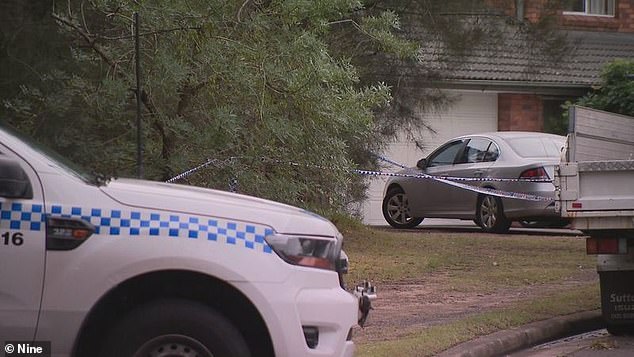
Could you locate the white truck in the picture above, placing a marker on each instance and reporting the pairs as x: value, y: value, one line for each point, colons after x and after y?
x: 124, y: 267
x: 595, y: 189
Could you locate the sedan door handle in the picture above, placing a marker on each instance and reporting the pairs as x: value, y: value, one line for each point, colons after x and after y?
x: 478, y: 173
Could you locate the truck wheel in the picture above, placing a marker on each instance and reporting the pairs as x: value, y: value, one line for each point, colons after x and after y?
x: 396, y: 209
x: 490, y: 215
x: 175, y: 327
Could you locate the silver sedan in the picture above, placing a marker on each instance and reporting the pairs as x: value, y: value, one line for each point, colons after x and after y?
x: 487, y: 157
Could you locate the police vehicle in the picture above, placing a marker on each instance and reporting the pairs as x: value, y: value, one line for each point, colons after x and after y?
x: 126, y: 267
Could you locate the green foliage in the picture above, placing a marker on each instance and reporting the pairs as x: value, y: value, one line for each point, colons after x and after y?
x: 221, y: 79
x: 555, y: 122
x: 381, y: 29
x: 616, y: 90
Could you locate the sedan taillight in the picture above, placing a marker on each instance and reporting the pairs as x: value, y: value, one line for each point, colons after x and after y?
x: 535, y: 173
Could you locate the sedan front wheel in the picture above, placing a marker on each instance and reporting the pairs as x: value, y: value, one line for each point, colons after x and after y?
x: 396, y: 209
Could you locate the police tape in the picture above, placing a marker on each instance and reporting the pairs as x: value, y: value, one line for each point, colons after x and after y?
x: 445, y: 180
x: 234, y: 159
x: 448, y: 180
x: 385, y: 159
x: 482, y: 179
x: 210, y: 162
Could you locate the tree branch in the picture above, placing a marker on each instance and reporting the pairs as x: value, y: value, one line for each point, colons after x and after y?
x: 91, y: 41
x: 151, y: 33
x: 186, y: 94
x: 356, y: 25
x: 86, y: 36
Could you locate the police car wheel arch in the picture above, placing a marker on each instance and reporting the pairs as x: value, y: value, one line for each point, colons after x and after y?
x: 177, y: 326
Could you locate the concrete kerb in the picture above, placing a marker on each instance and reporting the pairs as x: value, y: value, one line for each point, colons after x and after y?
x: 508, y: 341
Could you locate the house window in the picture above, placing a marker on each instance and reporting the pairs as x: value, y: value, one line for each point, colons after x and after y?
x: 554, y: 120
x: 590, y: 7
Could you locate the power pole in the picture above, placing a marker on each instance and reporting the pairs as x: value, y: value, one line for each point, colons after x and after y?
x: 139, y: 133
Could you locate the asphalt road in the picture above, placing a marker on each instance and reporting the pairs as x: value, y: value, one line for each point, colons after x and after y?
x: 591, y: 344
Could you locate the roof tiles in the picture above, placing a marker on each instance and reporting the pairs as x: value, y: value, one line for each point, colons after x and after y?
x: 515, y: 61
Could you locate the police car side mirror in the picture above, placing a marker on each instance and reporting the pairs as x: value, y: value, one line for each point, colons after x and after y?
x: 14, y: 183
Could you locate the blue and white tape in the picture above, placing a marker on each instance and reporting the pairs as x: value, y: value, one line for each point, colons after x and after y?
x: 210, y: 162
x: 449, y: 180
x: 385, y: 159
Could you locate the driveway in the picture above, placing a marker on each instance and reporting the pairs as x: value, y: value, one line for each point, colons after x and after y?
x: 404, y: 307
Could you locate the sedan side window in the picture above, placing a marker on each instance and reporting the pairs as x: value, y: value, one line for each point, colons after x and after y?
x: 479, y: 150
x: 475, y: 150
x: 493, y: 153
x: 445, y: 155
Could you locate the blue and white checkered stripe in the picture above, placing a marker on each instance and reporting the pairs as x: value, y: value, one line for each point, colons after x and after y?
x: 133, y: 223
x: 19, y: 216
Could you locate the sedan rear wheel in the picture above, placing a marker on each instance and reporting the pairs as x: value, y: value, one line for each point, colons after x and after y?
x: 490, y: 215
x: 396, y: 209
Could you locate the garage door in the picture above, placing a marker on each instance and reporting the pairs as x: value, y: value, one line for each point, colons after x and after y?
x: 472, y: 112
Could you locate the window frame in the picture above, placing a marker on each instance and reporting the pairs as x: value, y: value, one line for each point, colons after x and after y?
x: 458, y: 142
x: 587, y: 5
x: 497, y: 148
x: 486, y: 158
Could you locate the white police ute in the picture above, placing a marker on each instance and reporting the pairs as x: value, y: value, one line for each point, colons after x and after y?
x: 125, y: 267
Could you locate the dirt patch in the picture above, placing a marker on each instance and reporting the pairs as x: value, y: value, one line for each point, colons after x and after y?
x: 405, y: 307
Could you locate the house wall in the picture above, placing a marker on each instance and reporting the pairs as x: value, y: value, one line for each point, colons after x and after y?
x: 623, y: 21
x: 526, y: 111
x: 523, y: 112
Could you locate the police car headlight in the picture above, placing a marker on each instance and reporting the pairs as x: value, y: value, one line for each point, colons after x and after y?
x: 309, y: 251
